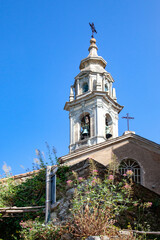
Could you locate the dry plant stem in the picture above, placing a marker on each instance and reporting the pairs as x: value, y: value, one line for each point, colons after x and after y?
x: 92, y: 222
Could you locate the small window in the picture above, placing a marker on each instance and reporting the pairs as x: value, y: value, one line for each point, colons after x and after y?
x: 106, y: 88
x: 129, y: 164
x: 85, y: 87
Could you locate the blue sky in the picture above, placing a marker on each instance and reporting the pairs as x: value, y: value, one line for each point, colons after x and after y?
x: 41, y: 46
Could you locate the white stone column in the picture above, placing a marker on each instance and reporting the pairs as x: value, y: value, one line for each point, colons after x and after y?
x: 99, y: 83
x: 114, y: 94
x: 90, y: 82
x: 103, y: 84
x: 110, y: 89
x: 92, y: 124
x: 78, y: 130
x: 71, y: 97
x: 77, y: 86
x: 116, y: 125
x: 100, y: 123
x: 95, y: 120
x: 71, y: 128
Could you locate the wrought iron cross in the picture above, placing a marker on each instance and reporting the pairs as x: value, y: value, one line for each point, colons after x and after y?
x: 128, y: 118
x: 93, y: 29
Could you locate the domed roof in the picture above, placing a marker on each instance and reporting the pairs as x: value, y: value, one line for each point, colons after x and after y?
x: 93, y: 62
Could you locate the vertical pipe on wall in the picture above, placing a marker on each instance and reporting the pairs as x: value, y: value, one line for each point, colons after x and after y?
x: 48, y: 194
x: 50, y: 190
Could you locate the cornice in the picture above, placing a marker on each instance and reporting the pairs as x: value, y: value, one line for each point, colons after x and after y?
x: 92, y: 58
x: 109, y: 143
x: 86, y: 72
x: 91, y: 95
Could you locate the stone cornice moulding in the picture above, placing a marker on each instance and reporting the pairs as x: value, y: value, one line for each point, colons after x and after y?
x: 85, y: 73
x: 108, y: 143
x: 99, y: 59
x: 91, y: 95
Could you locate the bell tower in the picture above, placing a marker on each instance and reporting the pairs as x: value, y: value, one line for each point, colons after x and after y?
x: 93, y: 108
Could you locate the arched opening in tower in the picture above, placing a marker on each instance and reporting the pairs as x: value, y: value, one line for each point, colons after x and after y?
x: 108, y: 126
x: 85, y: 127
x: 85, y: 87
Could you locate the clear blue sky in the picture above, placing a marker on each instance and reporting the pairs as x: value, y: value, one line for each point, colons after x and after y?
x: 41, y: 46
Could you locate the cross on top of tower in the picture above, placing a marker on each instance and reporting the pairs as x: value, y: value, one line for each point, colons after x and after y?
x: 128, y: 118
x: 93, y: 29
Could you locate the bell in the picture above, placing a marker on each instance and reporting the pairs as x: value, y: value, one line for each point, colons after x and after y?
x: 85, y: 132
x: 108, y: 135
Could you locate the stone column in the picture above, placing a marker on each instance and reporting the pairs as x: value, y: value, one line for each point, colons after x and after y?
x: 76, y: 127
x: 103, y: 83
x: 78, y: 86
x: 100, y: 123
x: 71, y: 97
x: 90, y: 82
x: 98, y: 87
x: 95, y: 120
x: 116, y: 125
x: 71, y: 128
x: 78, y: 130
x: 91, y: 125
x: 110, y: 89
x: 114, y: 94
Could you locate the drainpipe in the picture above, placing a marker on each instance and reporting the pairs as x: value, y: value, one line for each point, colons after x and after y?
x: 50, y: 191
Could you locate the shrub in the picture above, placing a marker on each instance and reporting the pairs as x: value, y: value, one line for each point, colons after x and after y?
x: 37, y: 230
x: 98, y: 204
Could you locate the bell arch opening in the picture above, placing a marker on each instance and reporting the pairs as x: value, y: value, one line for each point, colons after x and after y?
x: 85, y: 87
x: 85, y: 126
x: 108, y: 126
x: 106, y: 87
x: 130, y: 164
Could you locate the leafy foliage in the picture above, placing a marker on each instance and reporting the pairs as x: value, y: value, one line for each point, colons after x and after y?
x: 37, y: 230
x: 30, y: 192
x: 100, y: 205
x: 61, y: 177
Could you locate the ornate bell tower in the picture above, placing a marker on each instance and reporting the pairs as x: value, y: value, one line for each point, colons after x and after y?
x: 93, y: 108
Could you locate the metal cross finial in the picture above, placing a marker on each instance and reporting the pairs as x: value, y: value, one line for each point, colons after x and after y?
x: 128, y: 118
x: 93, y: 29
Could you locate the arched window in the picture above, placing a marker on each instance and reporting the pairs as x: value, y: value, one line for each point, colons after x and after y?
x: 106, y: 87
x: 108, y: 126
x: 129, y: 164
x: 85, y: 87
x: 85, y: 127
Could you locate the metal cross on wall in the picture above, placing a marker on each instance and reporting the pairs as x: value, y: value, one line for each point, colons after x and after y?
x: 128, y: 118
x: 93, y: 29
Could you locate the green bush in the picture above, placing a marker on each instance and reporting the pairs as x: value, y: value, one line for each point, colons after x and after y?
x: 37, y: 230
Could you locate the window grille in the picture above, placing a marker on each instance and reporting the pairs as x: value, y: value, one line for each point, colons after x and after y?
x: 130, y: 164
